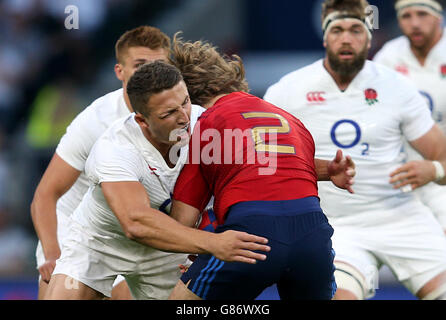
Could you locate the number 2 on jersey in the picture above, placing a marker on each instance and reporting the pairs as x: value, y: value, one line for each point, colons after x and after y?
x: 256, y: 132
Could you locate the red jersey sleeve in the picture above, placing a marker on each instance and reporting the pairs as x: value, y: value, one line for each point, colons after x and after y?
x: 191, y: 187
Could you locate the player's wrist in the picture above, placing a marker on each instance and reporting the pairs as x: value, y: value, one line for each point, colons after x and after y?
x: 439, y: 171
x: 52, y: 252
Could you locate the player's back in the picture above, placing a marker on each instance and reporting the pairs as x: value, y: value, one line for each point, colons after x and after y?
x: 264, y: 153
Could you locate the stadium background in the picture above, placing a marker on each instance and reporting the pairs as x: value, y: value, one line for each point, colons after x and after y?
x: 49, y: 73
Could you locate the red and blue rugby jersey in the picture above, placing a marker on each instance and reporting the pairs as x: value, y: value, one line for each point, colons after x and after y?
x: 246, y: 149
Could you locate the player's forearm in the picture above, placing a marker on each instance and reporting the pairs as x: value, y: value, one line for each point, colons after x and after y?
x: 184, y: 214
x: 43, y: 213
x: 322, y: 169
x: 158, y: 230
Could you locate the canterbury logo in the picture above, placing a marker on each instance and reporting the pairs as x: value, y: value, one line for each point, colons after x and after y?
x: 316, y: 96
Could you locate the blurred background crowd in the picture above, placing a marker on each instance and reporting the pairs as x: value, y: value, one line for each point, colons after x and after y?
x: 48, y: 74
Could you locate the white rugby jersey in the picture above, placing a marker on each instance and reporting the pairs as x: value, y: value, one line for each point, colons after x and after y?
x: 430, y: 79
x: 367, y: 121
x: 81, y: 134
x: 123, y: 153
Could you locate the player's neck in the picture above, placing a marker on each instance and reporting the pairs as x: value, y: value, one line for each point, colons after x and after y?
x: 213, y: 101
x: 127, y: 101
x: 163, y: 148
x: 342, y: 81
x: 421, y: 54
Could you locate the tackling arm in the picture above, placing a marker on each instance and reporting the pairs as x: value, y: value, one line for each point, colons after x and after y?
x: 57, y: 179
x: 184, y: 213
x: 131, y: 205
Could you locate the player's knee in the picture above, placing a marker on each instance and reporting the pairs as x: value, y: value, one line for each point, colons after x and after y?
x: 350, y: 282
x: 181, y: 292
x: 438, y: 293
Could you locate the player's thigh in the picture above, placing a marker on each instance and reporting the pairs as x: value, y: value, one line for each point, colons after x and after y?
x: 181, y: 292
x: 309, y: 274
x: 433, y: 196
x: 212, y: 279
x: 120, y: 290
x: 90, y: 261
x: 416, y: 249
x: 43, y: 287
x: 356, y: 268
x: 63, y: 287
x: 156, y: 276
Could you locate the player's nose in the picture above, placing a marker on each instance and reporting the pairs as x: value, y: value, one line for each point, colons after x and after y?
x: 183, y: 117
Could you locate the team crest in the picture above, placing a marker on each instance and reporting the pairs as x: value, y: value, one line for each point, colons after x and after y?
x: 371, y: 96
x: 443, y: 71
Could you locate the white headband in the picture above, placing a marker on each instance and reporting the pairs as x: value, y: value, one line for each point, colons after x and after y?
x: 431, y: 6
x: 329, y: 22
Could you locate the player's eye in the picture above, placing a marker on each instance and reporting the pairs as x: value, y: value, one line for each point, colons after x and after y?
x: 165, y: 115
x: 405, y: 16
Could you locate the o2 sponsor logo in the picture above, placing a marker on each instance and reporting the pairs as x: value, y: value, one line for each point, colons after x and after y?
x: 356, y: 140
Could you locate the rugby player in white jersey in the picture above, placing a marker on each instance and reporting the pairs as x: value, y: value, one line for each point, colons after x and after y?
x: 64, y: 182
x: 119, y: 225
x: 421, y: 56
x: 367, y: 109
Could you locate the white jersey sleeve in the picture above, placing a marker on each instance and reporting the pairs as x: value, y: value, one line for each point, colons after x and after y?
x: 417, y: 119
x: 88, y: 126
x: 385, y: 55
x: 275, y: 95
x: 107, y: 163
x: 78, y: 140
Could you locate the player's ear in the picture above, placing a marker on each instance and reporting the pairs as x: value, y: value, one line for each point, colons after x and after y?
x: 119, y: 71
x: 141, y: 120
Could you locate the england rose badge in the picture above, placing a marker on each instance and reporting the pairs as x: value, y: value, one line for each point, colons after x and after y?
x: 371, y: 96
x: 443, y: 71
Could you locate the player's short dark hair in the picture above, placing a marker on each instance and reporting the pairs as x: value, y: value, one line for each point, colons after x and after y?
x: 150, y: 79
x: 357, y: 8
x: 143, y: 36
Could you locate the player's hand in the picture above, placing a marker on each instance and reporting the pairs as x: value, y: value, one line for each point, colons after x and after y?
x: 46, y: 269
x: 414, y: 174
x: 235, y: 246
x: 190, y: 259
x: 342, y: 171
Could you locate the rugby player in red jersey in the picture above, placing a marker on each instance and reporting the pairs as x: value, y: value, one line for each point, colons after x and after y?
x: 258, y: 162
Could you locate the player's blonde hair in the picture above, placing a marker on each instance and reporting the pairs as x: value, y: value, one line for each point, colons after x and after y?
x: 205, y: 71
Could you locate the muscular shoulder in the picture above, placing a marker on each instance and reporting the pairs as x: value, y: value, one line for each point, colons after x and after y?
x: 292, y: 86
x: 391, y: 51
x: 388, y: 79
x: 114, y: 156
